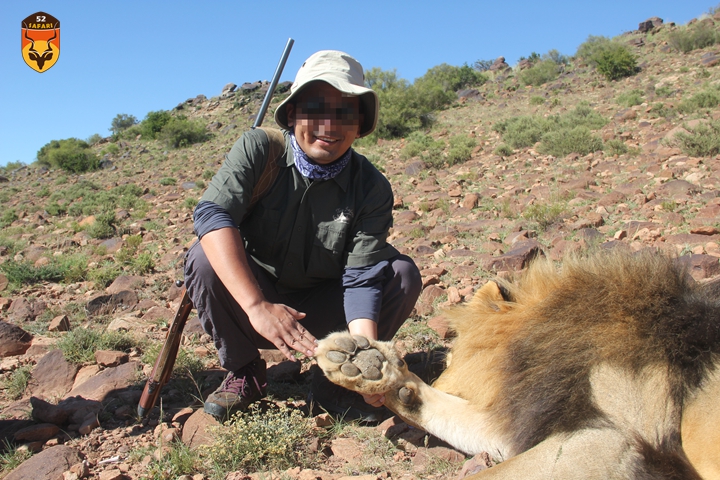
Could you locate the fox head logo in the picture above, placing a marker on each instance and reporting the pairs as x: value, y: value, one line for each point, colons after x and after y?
x: 40, y: 41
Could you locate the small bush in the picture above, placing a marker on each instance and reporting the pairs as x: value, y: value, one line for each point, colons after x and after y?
x: 612, y: 59
x: 7, y: 217
x: 154, y: 122
x: 179, y: 132
x: 545, y: 214
x: 208, y: 175
x: 570, y: 140
x: 702, y: 140
x: 542, y: 72
x: 111, y: 149
x: 79, y: 345
x: 537, y: 100
x: 615, y: 147
x: 72, y: 155
x: 461, y: 147
x: 168, y: 181
x: 709, y: 98
x: 103, y: 227
x: 615, y: 62
x: 664, y: 91
x: 190, y: 203
x: 591, y: 47
x: 631, y: 98
x: 423, y: 146
x: 692, y: 37
x: 504, y: 150
x: 104, y: 274
x: 252, y: 441
x: 16, y: 384
x: 94, y: 139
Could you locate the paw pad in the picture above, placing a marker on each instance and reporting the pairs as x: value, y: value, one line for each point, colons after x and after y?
x: 366, y: 361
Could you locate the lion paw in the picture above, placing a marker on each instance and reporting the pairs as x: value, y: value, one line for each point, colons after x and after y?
x: 359, y: 364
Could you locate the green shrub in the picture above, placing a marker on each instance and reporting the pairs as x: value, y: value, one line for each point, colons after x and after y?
x: 631, y: 98
x: 612, y: 59
x: 179, y: 132
x: 208, y: 175
x: 87, y: 198
x: 564, y: 141
x: 94, y: 139
x: 190, y: 203
x: 111, y: 149
x: 122, y: 122
x: 79, y: 345
x: 708, y: 98
x: 504, y: 150
x: 702, y: 140
x: 167, y: 181
x: 591, y: 47
x: 103, y: 227
x: 153, y: 123
x: 104, y: 274
x: 537, y: 100
x: 615, y: 147
x: 405, y: 107
x: 72, y: 155
x: 540, y: 73
x: 664, y: 91
x: 461, y: 147
x: 7, y: 217
x: 700, y: 35
x: 16, y: 384
x: 616, y: 62
x: 423, y: 146
x: 545, y: 214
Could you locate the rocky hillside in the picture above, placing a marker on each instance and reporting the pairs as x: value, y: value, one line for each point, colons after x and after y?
x: 88, y: 263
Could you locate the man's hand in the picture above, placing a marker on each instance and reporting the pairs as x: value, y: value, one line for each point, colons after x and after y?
x: 279, y: 324
x: 376, y: 400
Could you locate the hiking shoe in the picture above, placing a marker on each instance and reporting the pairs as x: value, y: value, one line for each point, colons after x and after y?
x: 239, y: 389
x: 344, y: 403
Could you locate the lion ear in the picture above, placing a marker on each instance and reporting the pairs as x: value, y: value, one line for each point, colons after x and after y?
x: 492, y: 295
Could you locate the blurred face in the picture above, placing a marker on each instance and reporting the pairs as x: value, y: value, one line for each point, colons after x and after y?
x: 326, y: 121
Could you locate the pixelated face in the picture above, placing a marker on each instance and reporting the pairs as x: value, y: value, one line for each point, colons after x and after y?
x: 326, y: 121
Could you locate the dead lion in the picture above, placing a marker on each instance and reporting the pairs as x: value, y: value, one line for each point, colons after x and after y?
x: 606, y: 369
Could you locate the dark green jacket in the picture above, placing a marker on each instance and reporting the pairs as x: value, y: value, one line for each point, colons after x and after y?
x: 305, y: 232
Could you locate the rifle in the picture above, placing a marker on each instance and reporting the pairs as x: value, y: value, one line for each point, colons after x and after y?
x: 165, y: 362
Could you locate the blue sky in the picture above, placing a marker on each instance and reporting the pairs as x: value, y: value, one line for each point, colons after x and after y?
x: 138, y: 56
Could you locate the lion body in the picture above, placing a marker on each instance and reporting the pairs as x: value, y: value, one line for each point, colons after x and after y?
x: 607, y: 368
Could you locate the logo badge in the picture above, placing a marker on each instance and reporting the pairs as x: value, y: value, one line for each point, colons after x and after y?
x: 40, y: 40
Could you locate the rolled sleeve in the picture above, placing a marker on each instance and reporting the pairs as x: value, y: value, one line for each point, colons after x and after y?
x: 363, y: 291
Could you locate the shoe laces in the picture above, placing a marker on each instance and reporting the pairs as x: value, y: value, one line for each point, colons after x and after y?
x: 239, y: 382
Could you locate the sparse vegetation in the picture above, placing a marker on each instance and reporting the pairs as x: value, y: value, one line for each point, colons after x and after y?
x: 691, y: 37
x: 79, y: 345
x: 611, y: 58
x: 631, y: 98
x: 702, y: 140
x: 16, y: 383
x: 252, y: 441
x: 540, y: 73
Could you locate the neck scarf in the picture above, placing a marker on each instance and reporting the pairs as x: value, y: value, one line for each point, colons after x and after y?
x: 314, y: 171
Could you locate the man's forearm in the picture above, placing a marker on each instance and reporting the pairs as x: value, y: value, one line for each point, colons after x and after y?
x: 225, y: 252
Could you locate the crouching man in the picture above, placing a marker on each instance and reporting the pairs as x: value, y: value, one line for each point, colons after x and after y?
x: 311, y: 256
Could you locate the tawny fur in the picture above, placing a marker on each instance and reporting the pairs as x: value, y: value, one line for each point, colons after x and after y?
x: 606, y: 356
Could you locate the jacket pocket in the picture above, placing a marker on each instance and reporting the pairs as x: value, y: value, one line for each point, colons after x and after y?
x: 328, y: 252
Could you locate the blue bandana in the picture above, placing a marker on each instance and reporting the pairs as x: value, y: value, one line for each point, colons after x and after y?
x: 314, y: 171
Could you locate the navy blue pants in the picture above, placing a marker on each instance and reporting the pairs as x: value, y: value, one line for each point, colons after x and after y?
x: 236, y: 340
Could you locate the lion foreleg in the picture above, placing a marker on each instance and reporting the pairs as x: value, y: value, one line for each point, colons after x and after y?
x: 371, y: 367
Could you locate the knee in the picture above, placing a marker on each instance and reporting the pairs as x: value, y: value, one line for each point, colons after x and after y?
x: 197, y: 266
x: 409, y: 276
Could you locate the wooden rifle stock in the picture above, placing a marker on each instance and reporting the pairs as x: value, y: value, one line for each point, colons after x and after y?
x: 166, y: 359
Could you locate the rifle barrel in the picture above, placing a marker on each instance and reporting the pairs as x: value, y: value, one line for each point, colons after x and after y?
x: 273, y: 84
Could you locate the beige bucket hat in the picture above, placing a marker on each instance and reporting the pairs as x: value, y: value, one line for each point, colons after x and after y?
x: 341, y: 71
